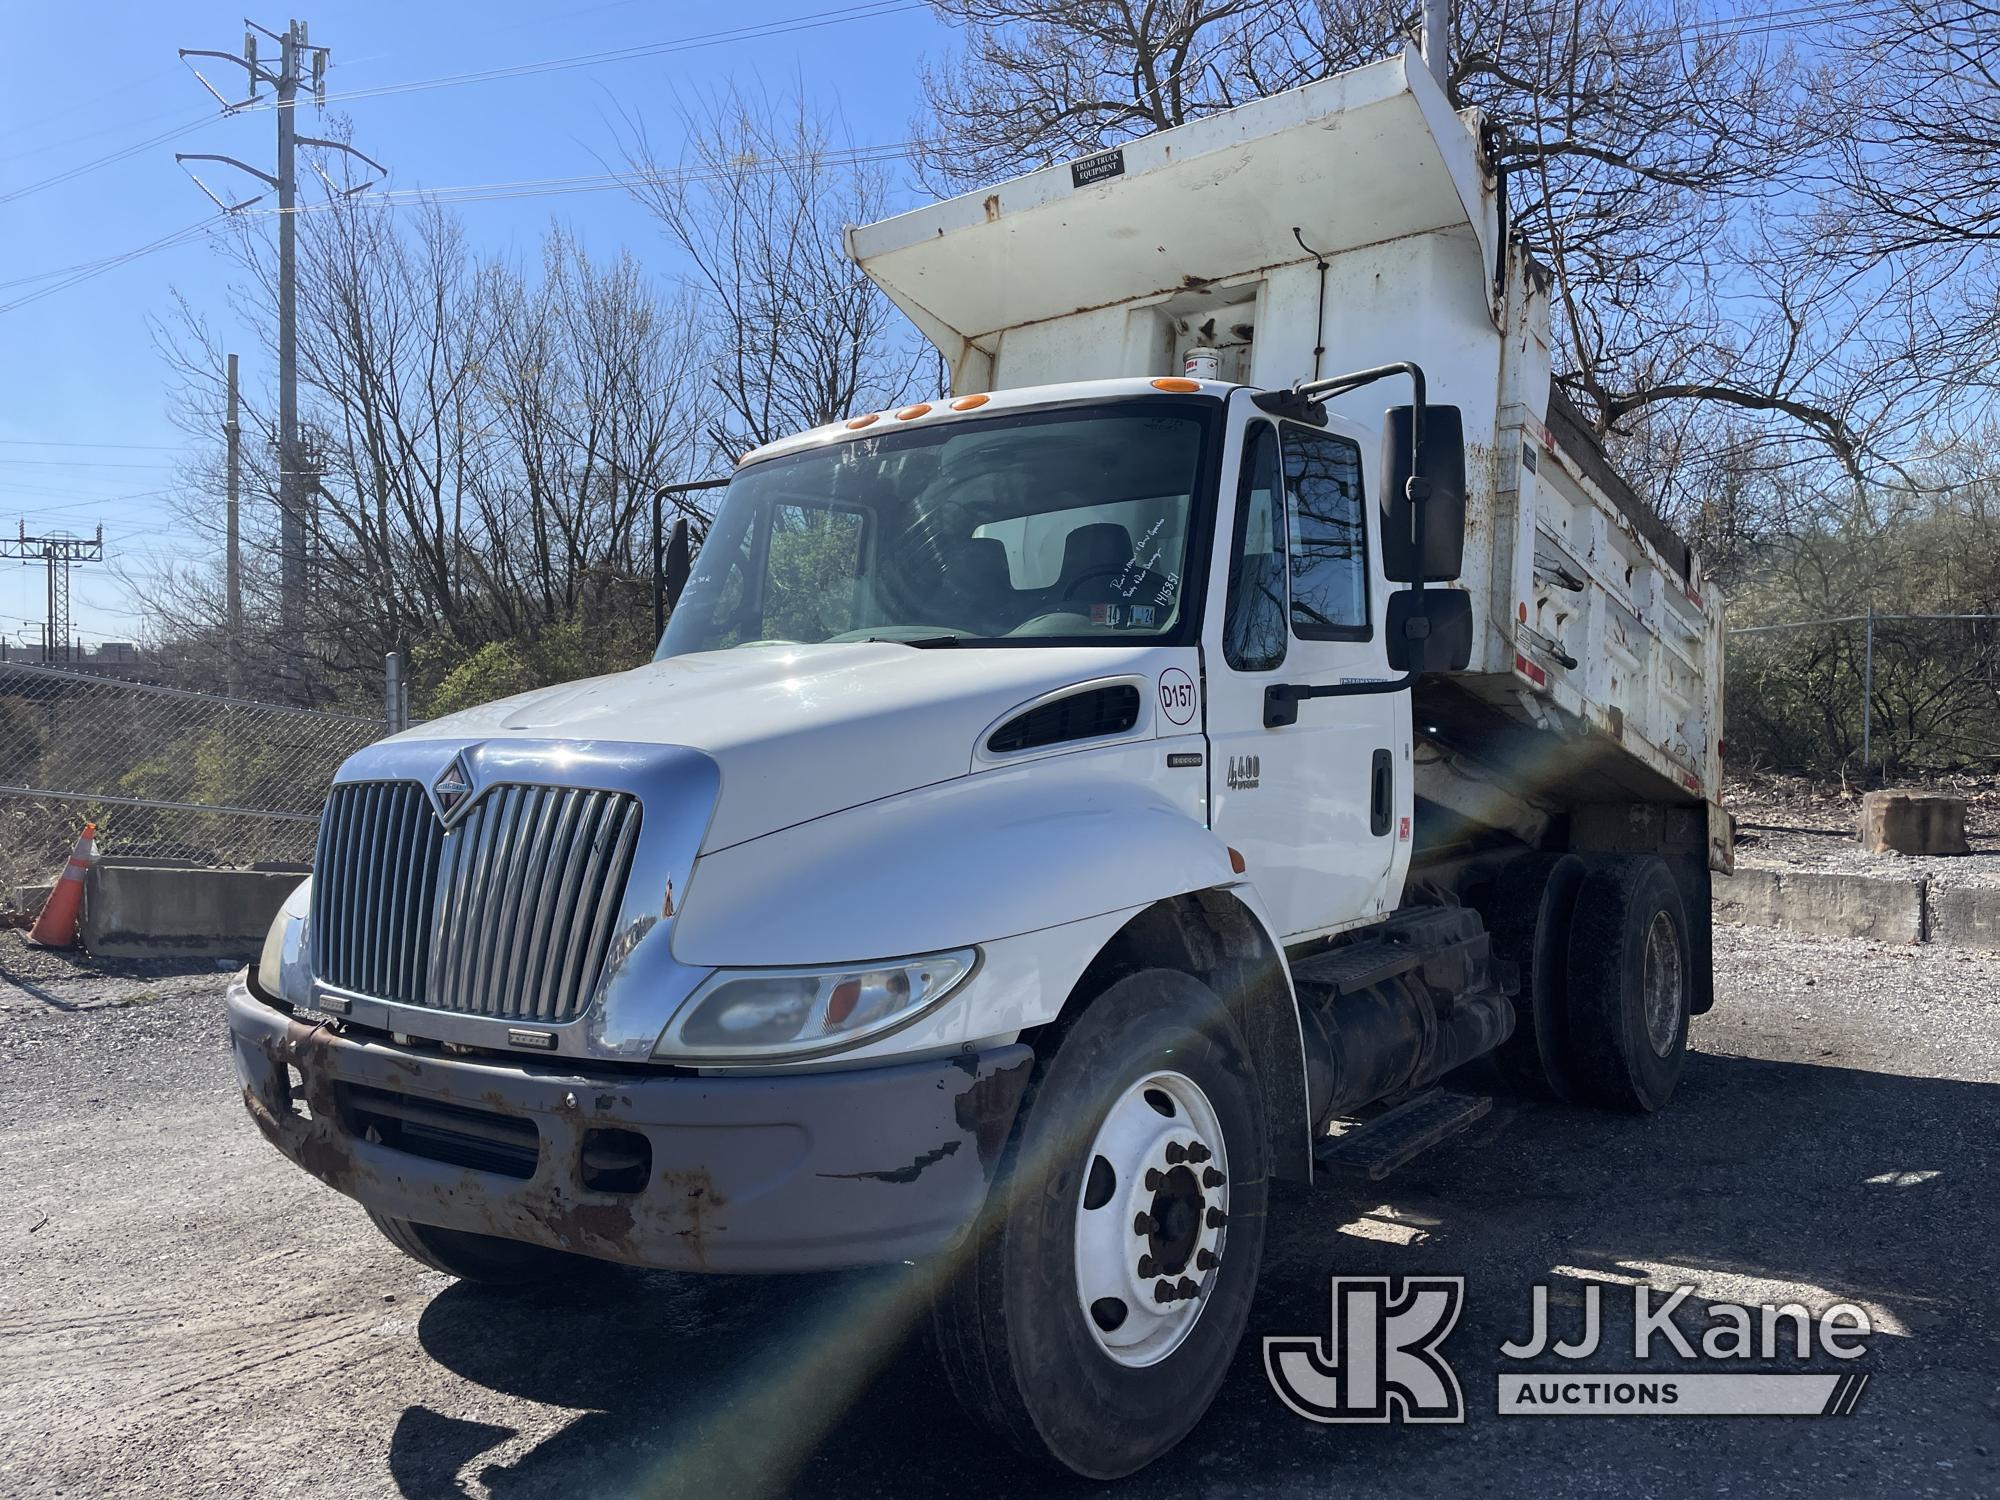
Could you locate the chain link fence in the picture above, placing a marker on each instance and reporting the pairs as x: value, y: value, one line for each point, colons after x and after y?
x: 163, y: 772
x: 1868, y: 695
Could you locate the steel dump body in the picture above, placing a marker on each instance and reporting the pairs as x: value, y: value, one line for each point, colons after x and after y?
x: 1344, y: 225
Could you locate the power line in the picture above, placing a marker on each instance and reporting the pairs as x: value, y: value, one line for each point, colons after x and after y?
x: 92, y: 101
x: 92, y: 269
x: 812, y: 21
x: 122, y: 154
x: 77, y: 443
x: 85, y: 463
x: 548, y: 187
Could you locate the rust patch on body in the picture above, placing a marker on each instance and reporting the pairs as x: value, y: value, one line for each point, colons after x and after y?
x: 692, y: 1196
x: 901, y: 1174
x: 986, y: 1109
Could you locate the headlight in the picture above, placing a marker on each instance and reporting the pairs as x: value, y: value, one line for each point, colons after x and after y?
x: 282, y: 967
x: 746, y: 1013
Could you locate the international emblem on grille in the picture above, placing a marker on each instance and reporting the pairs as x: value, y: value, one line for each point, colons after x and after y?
x: 451, y: 789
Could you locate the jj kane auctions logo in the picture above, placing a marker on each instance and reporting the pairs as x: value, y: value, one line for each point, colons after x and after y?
x: 1381, y: 1360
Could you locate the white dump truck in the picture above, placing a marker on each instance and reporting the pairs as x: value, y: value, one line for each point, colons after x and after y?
x: 1058, y: 809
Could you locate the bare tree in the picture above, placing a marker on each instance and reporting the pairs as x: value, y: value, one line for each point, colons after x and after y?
x: 1713, y: 290
x: 485, y: 443
x: 757, y: 206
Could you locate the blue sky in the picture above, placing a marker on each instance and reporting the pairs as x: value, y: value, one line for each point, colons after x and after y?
x: 84, y: 431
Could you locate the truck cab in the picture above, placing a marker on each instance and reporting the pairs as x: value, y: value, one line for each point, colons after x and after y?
x: 1057, y: 809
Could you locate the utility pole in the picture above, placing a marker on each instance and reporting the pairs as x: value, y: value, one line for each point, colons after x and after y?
x: 60, y: 551
x: 1437, y: 39
x: 291, y: 74
x: 233, y: 566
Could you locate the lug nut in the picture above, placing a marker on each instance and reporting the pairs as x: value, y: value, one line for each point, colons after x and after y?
x: 1155, y: 1180
x: 1199, y: 1153
x: 1145, y: 1223
x: 1212, y: 1178
x: 1185, y: 1290
x: 1163, y: 1291
x: 1176, y: 1153
x: 1204, y: 1260
x: 1147, y: 1268
x: 1217, y: 1218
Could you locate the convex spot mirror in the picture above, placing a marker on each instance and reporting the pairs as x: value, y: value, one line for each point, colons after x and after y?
x: 1442, y: 462
x: 1431, y: 631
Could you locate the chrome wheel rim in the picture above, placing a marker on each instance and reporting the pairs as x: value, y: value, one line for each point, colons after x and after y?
x: 1152, y: 1214
x: 1661, y: 983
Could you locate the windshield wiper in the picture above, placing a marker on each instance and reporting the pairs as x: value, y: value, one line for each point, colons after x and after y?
x: 921, y: 642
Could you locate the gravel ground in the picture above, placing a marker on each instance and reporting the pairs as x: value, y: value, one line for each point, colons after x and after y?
x: 1787, y: 823
x: 183, y: 1313
x: 1763, y: 847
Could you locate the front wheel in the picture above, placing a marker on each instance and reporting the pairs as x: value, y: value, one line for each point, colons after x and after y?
x: 1108, y: 1285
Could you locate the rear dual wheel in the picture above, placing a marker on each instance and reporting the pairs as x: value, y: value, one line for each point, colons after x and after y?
x: 1606, y: 965
x: 1631, y: 984
x: 1108, y: 1286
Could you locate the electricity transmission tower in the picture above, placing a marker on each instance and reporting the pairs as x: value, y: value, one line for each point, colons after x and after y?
x: 298, y: 65
x: 60, y: 552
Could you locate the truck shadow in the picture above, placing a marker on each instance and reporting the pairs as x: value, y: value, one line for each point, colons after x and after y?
x: 1765, y: 1180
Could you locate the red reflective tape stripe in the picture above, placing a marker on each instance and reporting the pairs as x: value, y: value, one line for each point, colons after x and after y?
x: 1530, y: 671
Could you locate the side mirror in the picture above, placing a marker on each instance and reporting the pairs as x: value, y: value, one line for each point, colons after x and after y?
x: 1431, y: 631
x: 1442, y: 462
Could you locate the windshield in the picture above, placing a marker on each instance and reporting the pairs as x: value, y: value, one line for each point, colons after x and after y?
x: 1068, y: 526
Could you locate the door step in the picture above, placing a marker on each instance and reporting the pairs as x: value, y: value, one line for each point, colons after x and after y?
x: 1377, y: 1147
x: 1356, y: 967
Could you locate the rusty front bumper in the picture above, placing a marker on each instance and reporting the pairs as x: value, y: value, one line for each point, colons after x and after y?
x: 777, y: 1172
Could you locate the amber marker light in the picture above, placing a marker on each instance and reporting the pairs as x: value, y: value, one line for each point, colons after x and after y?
x: 909, y: 412
x: 970, y: 403
x: 856, y: 423
x: 1176, y: 383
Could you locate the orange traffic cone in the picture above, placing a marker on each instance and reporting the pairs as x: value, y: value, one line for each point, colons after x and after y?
x: 56, y: 926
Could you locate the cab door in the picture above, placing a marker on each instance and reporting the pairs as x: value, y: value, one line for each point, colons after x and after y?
x: 1318, y: 807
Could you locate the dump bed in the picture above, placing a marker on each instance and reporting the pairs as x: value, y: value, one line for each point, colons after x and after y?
x: 1352, y: 223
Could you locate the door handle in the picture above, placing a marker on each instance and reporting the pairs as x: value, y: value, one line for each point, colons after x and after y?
x: 1381, y: 792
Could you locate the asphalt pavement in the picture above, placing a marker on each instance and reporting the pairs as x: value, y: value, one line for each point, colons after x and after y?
x: 184, y: 1313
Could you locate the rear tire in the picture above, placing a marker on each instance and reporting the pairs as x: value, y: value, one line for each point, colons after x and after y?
x: 1531, y: 928
x: 1041, y: 1338
x: 1630, y: 984
x: 483, y: 1258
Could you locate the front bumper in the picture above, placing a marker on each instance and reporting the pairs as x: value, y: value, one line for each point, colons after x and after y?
x: 776, y: 1172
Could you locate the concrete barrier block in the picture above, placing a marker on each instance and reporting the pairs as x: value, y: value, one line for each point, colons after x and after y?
x: 155, y: 910
x: 1749, y: 897
x: 1966, y: 916
x: 1864, y: 906
x: 1913, y: 823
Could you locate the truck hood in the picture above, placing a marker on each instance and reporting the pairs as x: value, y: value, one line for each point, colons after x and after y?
x: 803, y: 731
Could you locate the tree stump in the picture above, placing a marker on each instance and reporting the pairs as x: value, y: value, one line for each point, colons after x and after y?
x: 1913, y: 823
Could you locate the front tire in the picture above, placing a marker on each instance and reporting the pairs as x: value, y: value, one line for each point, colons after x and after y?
x: 1106, y: 1289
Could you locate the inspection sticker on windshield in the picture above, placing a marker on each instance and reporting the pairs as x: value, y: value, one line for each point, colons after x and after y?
x: 1177, y: 695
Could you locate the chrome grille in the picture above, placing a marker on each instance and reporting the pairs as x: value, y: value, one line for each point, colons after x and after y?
x: 509, y: 913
